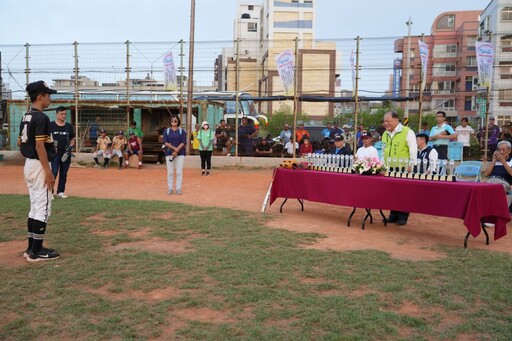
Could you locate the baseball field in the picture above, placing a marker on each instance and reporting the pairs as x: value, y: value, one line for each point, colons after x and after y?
x: 138, y: 263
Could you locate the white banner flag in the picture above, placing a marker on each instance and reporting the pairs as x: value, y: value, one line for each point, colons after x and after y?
x: 285, y: 67
x: 169, y: 72
x: 484, y: 59
x: 353, y: 68
x: 424, y: 62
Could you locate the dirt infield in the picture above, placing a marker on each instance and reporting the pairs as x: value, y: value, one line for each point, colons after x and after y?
x: 244, y: 189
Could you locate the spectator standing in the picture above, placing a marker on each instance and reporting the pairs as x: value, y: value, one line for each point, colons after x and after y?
x: 175, y: 140
x: 301, y: 133
x: 263, y: 148
x: 246, y: 132
x: 103, y: 145
x: 336, y: 130
x: 424, y: 129
x: 441, y: 134
x: 36, y: 144
x: 64, y: 134
x: 398, y: 141
x: 195, y: 140
x: 494, y: 133
x: 94, y: 129
x: 306, y: 148
x: 223, y: 138
x: 137, y: 132
x: 205, y: 137
x: 464, y: 133
x: 286, y: 135
x: 326, y: 132
x: 134, y: 148
x: 426, y: 154
x: 367, y: 150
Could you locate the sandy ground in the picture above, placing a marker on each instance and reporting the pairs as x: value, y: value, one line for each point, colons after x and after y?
x: 245, y: 189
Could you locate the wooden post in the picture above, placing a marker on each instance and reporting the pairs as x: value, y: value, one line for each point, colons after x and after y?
x: 190, y: 83
x: 78, y: 140
x: 295, y: 99
x: 356, y: 97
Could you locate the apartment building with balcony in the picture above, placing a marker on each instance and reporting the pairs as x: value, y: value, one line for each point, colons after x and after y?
x: 281, y: 22
x: 496, y: 27
x: 452, y: 73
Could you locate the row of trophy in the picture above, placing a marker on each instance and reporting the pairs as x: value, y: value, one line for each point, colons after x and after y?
x: 331, y: 163
x: 436, y: 170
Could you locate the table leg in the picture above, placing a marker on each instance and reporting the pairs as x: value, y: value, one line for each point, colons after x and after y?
x: 301, y: 201
x: 281, y: 208
x: 350, y: 216
x: 384, y: 218
x: 368, y: 214
x: 486, y: 237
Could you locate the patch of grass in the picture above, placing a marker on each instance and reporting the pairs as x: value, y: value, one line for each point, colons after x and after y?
x: 234, y: 279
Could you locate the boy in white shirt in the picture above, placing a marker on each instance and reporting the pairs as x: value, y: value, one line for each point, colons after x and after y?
x: 367, y: 150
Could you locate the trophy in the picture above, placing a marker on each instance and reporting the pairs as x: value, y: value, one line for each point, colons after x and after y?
x: 387, y: 162
x: 404, y: 172
x: 434, y: 164
x: 309, y: 160
x: 345, y: 163
x: 351, y: 164
x: 337, y: 162
x: 444, y: 176
x: 424, y: 169
x: 416, y: 169
x: 393, y: 162
x: 452, y: 170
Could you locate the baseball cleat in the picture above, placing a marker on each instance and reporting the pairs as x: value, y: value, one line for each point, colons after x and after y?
x: 42, y: 255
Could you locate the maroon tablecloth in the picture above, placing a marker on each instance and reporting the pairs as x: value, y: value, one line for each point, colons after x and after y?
x: 470, y: 201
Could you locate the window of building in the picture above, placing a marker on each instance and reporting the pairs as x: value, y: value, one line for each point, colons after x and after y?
x: 444, y: 69
x: 446, y: 21
x: 505, y: 95
x: 471, y: 61
x: 250, y: 7
x: 445, y: 50
x: 505, y: 70
x: 470, y: 43
x: 506, y: 14
x: 506, y: 44
x: 252, y: 27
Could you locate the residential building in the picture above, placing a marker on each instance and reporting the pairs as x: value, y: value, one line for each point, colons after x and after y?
x: 496, y: 27
x: 452, y: 70
x: 281, y: 22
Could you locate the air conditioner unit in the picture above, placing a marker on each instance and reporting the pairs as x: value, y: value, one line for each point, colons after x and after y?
x: 475, y: 87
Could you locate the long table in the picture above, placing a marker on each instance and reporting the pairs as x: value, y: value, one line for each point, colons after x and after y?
x: 470, y: 201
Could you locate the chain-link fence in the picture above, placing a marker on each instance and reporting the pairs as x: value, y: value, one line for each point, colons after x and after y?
x: 126, y: 80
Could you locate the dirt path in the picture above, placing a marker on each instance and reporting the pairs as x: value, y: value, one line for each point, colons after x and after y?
x: 245, y: 189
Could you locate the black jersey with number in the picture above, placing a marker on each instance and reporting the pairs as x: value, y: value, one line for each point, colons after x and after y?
x: 35, y: 126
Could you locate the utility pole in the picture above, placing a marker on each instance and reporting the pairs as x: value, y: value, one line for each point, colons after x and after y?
x: 295, y: 99
x: 356, y: 96
x: 128, y: 84
x: 181, y: 80
x: 237, y: 97
x: 78, y: 145
x: 408, y: 68
x: 190, y: 83
x: 27, y: 72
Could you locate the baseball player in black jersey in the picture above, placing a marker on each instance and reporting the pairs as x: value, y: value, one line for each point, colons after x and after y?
x: 64, y: 136
x: 36, y: 144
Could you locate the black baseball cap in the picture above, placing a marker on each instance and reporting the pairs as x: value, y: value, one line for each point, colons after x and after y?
x: 133, y: 123
x: 338, y: 137
x: 102, y: 131
x: 364, y: 134
x: 120, y: 132
x: 39, y: 86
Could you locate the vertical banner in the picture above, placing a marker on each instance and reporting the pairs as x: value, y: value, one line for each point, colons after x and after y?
x: 353, y: 69
x: 484, y: 59
x: 169, y: 72
x: 424, y: 62
x: 285, y: 63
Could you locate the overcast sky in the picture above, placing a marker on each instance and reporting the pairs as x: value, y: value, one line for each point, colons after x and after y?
x: 64, y: 21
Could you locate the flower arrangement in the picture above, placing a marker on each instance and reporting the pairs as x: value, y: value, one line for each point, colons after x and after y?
x: 368, y: 166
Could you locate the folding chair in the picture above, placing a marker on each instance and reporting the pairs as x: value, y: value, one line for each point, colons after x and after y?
x: 472, y: 163
x: 472, y: 173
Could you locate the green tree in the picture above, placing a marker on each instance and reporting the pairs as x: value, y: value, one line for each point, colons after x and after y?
x: 282, y: 116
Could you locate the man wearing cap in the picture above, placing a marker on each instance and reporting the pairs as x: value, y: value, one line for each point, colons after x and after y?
x: 286, y: 135
x: 326, y: 132
x: 263, y: 148
x: 103, y: 145
x: 340, y: 147
x: 64, y: 135
x: 136, y: 131
x: 119, y: 143
x: 134, y: 148
x: 37, y: 146
x: 367, y: 150
x: 398, y: 141
x: 494, y: 132
x: 301, y: 133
